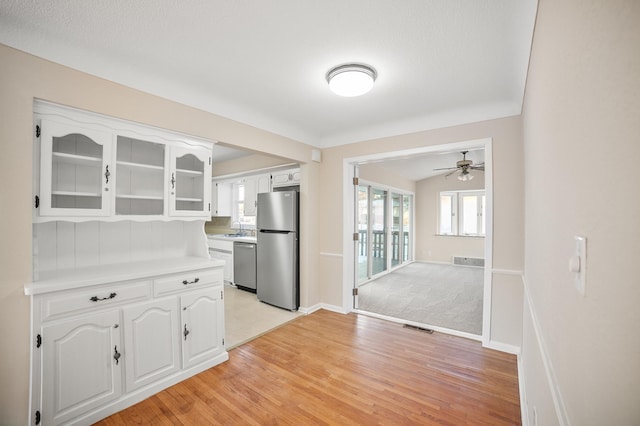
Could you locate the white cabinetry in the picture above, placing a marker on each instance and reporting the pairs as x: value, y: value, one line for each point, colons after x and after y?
x: 75, y: 170
x: 221, y: 194
x: 151, y: 336
x: 94, y: 166
x: 254, y: 185
x: 190, y: 180
x: 81, y: 367
x: 199, y: 310
x: 285, y: 178
x: 84, y: 361
x: 223, y: 250
x: 118, y: 250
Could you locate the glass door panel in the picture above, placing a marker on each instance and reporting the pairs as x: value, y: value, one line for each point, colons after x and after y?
x: 189, y: 182
x: 378, y: 234
x: 396, y: 229
x: 75, y: 176
x: 363, y: 232
x: 406, y: 228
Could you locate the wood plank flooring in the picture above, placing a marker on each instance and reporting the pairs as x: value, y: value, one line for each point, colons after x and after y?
x: 328, y: 368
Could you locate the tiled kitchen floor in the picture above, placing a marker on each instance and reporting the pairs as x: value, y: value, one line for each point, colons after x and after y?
x: 247, y: 318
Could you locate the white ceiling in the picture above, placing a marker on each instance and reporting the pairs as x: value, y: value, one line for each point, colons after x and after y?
x: 418, y: 167
x: 439, y: 63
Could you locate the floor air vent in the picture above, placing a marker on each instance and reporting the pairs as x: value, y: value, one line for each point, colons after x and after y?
x: 415, y: 327
x: 468, y: 261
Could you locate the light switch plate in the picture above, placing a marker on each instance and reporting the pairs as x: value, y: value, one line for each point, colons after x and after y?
x: 580, y: 276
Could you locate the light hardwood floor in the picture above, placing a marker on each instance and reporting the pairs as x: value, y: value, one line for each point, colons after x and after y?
x: 328, y: 368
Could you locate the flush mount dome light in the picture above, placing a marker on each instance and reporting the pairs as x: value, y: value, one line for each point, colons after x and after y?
x: 351, y: 79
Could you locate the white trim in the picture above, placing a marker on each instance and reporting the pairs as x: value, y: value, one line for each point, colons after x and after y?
x: 318, y: 306
x: 554, y: 387
x: 488, y: 242
x: 330, y: 254
x: 311, y: 309
x: 503, y: 347
x: 524, y: 409
x: 444, y: 330
x: 507, y: 272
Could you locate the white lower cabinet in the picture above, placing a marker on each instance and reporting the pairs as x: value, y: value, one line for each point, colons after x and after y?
x: 151, y: 338
x: 200, y: 340
x: 107, y: 348
x: 82, y: 366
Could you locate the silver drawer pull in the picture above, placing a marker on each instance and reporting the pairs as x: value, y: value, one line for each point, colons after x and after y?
x: 97, y: 299
x: 185, y: 282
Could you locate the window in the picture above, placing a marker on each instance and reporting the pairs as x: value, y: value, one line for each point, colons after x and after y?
x: 238, y: 217
x: 462, y: 213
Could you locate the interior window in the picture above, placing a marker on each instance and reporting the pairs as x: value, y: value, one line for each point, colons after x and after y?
x: 462, y: 213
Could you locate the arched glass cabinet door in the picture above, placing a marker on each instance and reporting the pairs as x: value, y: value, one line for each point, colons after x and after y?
x: 75, y: 170
x: 190, y: 182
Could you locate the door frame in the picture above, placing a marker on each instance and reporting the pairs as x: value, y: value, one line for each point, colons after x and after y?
x: 350, y: 171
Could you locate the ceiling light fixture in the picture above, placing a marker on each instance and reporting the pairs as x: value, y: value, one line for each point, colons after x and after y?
x: 465, y: 175
x: 351, y: 79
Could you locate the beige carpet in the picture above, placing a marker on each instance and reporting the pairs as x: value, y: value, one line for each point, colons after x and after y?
x: 439, y: 295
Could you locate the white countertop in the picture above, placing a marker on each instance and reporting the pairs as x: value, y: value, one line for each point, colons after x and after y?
x: 232, y: 237
x: 101, y: 274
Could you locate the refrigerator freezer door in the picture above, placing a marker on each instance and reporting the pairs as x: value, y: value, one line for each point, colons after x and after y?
x: 278, y: 211
x: 277, y: 269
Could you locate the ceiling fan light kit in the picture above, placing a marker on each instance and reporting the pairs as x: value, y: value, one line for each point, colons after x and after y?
x: 463, y: 168
x: 351, y: 80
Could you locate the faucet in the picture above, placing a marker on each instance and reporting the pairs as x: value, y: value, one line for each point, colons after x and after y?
x: 239, y: 225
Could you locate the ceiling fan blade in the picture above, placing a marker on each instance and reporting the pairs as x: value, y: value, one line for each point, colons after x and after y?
x: 447, y: 168
x: 481, y: 167
x: 450, y: 173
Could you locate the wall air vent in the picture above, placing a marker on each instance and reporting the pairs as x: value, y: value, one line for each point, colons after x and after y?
x: 468, y: 261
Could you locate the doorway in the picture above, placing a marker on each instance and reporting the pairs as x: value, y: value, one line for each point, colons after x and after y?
x: 358, y: 255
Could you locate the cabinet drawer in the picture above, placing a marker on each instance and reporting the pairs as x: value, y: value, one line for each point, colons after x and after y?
x: 187, y: 281
x: 93, y: 298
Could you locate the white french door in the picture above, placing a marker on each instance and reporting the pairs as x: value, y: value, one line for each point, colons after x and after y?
x: 383, y: 220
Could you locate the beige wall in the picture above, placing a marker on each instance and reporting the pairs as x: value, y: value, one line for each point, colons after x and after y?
x: 23, y: 78
x: 581, y: 129
x: 248, y: 163
x: 440, y: 248
x: 376, y: 174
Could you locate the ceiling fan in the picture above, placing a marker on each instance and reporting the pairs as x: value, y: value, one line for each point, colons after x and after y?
x: 463, y: 168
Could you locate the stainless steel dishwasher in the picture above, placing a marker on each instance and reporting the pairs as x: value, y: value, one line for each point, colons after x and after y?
x: 244, y: 265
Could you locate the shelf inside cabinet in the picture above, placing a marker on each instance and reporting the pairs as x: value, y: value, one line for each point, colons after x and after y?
x: 140, y: 166
x: 77, y: 194
x: 140, y: 197
x: 193, y: 200
x: 189, y: 172
x: 62, y: 157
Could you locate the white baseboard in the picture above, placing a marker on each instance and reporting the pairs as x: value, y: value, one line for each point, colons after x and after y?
x: 503, y: 347
x: 311, y: 309
x: 524, y: 409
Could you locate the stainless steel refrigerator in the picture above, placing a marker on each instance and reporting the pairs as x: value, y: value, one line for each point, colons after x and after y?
x: 277, y: 224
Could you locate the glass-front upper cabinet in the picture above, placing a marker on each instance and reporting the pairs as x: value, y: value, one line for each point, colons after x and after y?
x: 140, y: 178
x: 190, y: 182
x: 75, y: 170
